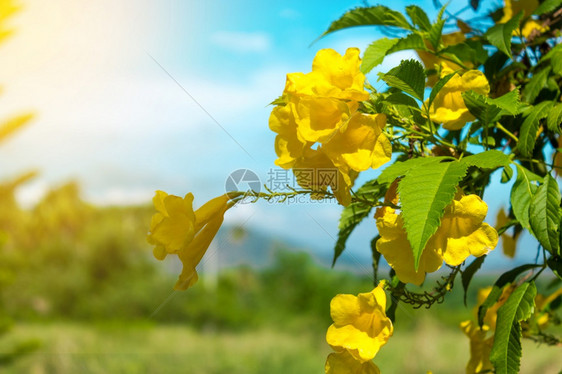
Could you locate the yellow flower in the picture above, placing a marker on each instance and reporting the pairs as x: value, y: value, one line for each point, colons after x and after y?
x: 173, y: 225
x: 288, y: 147
x: 508, y: 241
x: 318, y: 118
x: 480, y: 348
x: 462, y: 233
x: 362, y: 144
x: 315, y: 171
x: 513, y: 7
x: 530, y: 26
x: 333, y: 75
x: 492, y: 313
x: 344, y: 363
x: 360, y: 326
x: 448, y: 107
x: 7, y: 9
x: 430, y: 61
x: 177, y: 229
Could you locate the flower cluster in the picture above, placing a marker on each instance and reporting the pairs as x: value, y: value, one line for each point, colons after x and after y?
x: 176, y: 229
x: 319, y: 126
x: 462, y: 233
x: 360, y: 329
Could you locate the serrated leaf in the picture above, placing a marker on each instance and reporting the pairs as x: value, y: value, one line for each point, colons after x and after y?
x: 409, y: 77
x: 411, y: 41
x: 500, y: 35
x: 509, y: 102
x: 554, y: 119
x: 401, y: 168
x: 492, y: 159
x: 521, y: 194
x: 544, y: 214
x: 437, y: 87
x: 354, y: 213
x: 506, y: 351
x: 375, y: 53
x: 369, y: 16
x: 535, y: 85
x: 424, y: 194
x: 434, y: 35
x: 469, y: 272
x: 529, y: 128
x: 418, y: 17
x: 495, y: 293
x: 547, y: 6
x: 479, y: 107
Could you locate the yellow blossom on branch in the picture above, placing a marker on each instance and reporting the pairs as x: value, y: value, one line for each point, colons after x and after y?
x: 319, y: 127
x: 176, y: 229
x: 462, y: 233
x: 448, y: 108
x: 333, y: 75
x: 362, y: 145
x: 360, y: 326
x: 344, y: 363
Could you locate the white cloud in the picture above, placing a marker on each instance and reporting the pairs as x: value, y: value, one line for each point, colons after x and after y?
x: 242, y: 42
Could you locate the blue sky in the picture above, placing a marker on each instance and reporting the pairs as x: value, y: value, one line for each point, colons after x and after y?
x: 128, y: 95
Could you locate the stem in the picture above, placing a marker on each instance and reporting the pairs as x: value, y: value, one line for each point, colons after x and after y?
x: 506, y: 131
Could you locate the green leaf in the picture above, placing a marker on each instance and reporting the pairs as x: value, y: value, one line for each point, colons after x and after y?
x: 369, y: 16
x: 554, y: 119
x: 354, y: 213
x: 409, y: 77
x: 400, y: 98
x: 435, y: 32
x: 547, y: 6
x: 495, y: 293
x: 411, y: 41
x: 507, y: 173
x: 509, y: 103
x: 479, y: 107
x: 492, y: 159
x: 500, y: 35
x: 467, y: 51
x: 469, y: 272
x: 506, y: 351
x: 424, y: 193
x: 437, y: 87
x: 544, y: 214
x: 375, y: 53
x: 401, y: 168
x: 521, y: 194
x: 419, y: 17
x: 535, y: 85
x: 529, y: 128
x: 555, y: 264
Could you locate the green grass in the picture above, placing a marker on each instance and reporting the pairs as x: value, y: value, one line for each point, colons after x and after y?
x: 122, y: 348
